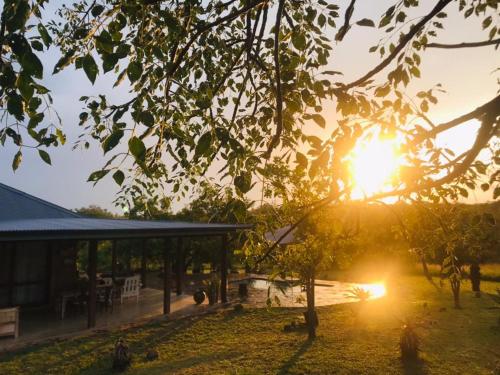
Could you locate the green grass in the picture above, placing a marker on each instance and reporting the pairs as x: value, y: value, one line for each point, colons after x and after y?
x: 352, y: 339
x: 489, y: 271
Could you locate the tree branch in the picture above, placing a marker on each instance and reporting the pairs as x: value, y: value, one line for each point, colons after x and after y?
x: 492, y: 106
x: 465, y: 44
x: 404, y: 41
x: 277, y: 76
x: 347, y: 19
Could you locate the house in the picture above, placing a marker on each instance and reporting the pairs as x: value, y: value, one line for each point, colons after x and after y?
x: 39, y: 247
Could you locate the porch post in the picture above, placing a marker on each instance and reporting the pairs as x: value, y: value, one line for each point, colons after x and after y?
x: 113, y: 260
x: 179, y: 272
x: 223, y: 268
x: 167, y: 276
x: 92, y: 274
x: 143, y: 263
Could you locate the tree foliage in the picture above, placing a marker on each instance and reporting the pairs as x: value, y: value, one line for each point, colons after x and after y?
x: 234, y: 83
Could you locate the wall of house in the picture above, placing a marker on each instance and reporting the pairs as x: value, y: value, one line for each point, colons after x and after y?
x: 34, y: 273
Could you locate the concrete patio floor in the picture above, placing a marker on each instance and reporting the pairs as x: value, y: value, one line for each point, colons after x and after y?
x: 40, y: 325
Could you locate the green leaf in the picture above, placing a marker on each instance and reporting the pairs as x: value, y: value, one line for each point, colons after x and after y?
x: 112, y: 140
x: 119, y: 177
x: 366, y: 22
x: 97, y: 175
x: 47, y: 40
x: 137, y: 148
x: 299, y: 40
x: 45, y: 156
x: 203, y: 144
x: 147, y: 119
x: 64, y: 61
x: 37, y: 45
x: 32, y: 65
x: 17, y: 160
x: 23, y: 83
x: 134, y: 71
x: 97, y: 10
x: 90, y: 67
x: 35, y: 120
x: 15, y: 106
x: 243, y: 182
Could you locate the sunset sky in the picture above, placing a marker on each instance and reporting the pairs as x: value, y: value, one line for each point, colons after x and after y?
x: 467, y: 75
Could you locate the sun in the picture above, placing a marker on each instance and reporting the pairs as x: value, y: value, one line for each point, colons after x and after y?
x: 374, y: 163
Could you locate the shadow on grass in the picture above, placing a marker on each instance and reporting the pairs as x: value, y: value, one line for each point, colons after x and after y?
x: 292, y: 361
x: 414, y: 367
x: 164, y: 367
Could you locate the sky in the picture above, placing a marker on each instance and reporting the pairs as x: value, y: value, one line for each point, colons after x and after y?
x: 466, y: 74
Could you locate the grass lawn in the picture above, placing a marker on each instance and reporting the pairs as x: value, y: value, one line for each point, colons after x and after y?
x: 352, y: 339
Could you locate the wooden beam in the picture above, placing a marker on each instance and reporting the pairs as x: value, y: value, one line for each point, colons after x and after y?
x: 144, y: 264
x: 92, y: 274
x: 113, y: 260
x: 223, y: 268
x: 179, y: 272
x: 167, y: 276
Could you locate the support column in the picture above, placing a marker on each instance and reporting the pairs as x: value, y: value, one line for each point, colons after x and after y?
x: 113, y: 260
x: 223, y: 268
x: 144, y: 265
x: 92, y: 274
x: 167, y: 276
x: 179, y: 271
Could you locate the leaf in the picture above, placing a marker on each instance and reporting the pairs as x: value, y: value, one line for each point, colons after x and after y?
x: 147, y: 119
x: 299, y: 40
x: 97, y: 10
x: 243, y: 182
x: 134, y: 71
x: 112, y: 140
x: 32, y: 65
x: 318, y: 119
x: 97, y: 175
x: 90, y: 67
x: 64, y: 61
x: 23, y: 83
x: 45, y: 156
x: 47, y: 40
x: 119, y: 177
x: 496, y: 192
x: 137, y: 148
x: 203, y: 145
x: 485, y: 187
x: 301, y: 159
x: 366, y: 22
x: 17, y: 160
x: 15, y: 106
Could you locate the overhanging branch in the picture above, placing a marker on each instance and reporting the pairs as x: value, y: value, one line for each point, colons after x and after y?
x: 494, y: 42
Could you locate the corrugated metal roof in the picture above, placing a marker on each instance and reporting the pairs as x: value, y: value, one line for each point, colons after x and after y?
x: 90, y: 228
x: 25, y: 217
x: 276, y: 235
x: 17, y: 205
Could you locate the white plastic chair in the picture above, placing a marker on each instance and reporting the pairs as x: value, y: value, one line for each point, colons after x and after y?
x: 131, y: 288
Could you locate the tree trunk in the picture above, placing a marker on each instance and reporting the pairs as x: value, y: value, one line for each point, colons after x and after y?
x: 455, y: 288
x: 312, y: 320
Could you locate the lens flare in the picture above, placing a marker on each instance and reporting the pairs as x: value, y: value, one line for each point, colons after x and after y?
x: 377, y: 290
x: 373, y: 165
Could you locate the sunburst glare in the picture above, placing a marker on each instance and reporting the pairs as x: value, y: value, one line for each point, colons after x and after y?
x: 374, y: 163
